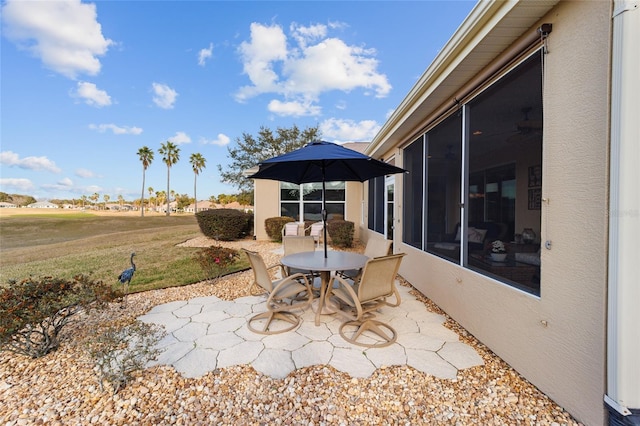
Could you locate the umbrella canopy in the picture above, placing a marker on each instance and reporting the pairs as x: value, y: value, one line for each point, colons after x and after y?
x: 323, y: 162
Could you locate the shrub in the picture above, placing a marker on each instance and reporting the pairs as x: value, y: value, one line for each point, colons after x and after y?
x: 341, y: 232
x: 118, y: 352
x: 274, y: 225
x: 34, y: 311
x: 224, y: 224
x: 216, y: 260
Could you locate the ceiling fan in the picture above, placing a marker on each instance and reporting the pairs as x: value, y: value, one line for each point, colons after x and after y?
x: 526, y: 129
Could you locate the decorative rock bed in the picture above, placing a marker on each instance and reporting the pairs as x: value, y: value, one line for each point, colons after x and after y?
x: 61, y: 388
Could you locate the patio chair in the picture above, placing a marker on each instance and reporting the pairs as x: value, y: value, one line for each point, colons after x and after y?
x: 292, y: 229
x: 362, y: 299
x: 316, y: 231
x: 376, y: 247
x: 292, y: 245
x: 283, y: 297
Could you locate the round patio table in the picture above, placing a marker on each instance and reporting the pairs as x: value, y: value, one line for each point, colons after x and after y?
x: 315, y: 261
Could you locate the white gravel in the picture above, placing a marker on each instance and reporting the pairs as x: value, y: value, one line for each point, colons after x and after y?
x: 62, y: 388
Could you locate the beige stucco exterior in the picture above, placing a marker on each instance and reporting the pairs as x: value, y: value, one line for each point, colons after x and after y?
x: 557, y: 340
x: 267, y: 204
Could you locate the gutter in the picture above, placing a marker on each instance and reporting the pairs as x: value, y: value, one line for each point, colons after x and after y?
x: 623, y: 314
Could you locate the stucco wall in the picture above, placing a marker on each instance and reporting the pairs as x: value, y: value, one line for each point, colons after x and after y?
x: 557, y: 341
x: 267, y: 204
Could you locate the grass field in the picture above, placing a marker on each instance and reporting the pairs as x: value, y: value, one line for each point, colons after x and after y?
x: 63, y: 244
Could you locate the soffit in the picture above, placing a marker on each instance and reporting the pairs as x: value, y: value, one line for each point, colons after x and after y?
x: 489, y: 30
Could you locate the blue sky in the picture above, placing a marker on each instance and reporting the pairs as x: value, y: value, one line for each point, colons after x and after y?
x: 85, y: 85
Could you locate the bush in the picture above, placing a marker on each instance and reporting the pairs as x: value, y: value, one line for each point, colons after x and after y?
x: 34, y: 311
x: 341, y: 232
x: 118, y: 352
x: 216, y: 260
x: 224, y: 224
x: 274, y: 225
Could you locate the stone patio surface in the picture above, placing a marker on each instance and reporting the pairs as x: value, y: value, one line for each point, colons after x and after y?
x: 207, y: 333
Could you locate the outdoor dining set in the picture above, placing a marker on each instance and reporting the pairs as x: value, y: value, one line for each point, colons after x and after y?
x: 351, y: 285
x: 360, y: 284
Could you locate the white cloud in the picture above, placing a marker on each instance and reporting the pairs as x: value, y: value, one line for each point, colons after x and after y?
x: 205, y: 54
x: 304, y: 35
x: 165, y: 96
x: 221, y: 140
x: 349, y: 130
x: 315, y: 64
x: 15, y: 184
x: 64, y: 184
x: 91, y: 95
x: 180, y: 138
x: 84, y: 173
x: 294, y: 108
x: 64, y: 35
x: 12, y: 159
x: 117, y: 130
x: 267, y: 45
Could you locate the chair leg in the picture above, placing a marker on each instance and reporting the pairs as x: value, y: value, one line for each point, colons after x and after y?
x: 269, y: 317
x: 375, y: 327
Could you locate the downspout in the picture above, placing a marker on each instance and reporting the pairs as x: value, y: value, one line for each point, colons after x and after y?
x: 623, y: 312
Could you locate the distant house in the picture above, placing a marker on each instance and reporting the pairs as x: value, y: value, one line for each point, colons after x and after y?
x: 43, y: 205
x: 5, y: 205
x: 202, y: 206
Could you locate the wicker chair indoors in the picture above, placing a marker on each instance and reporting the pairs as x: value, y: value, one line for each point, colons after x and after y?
x: 363, y: 298
x: 283, y: 297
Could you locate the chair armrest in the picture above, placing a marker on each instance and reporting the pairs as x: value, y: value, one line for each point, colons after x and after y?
x: 345, y: 293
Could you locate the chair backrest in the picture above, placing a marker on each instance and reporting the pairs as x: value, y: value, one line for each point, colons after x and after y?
x: 378, y: 277
x: 291, y: 228
x: 297, y: 244
x: 377, y: 247
x: 316, y: 229
x: 260, y: 272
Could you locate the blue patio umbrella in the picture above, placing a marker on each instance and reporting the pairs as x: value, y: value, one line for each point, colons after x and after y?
x: 323, y: 162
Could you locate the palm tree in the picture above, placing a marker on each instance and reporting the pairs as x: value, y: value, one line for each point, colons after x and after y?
x: 170, y: 155
x: 146, y: 157
x: 198, y: 162
x: 106, y: 200
x: 151, y: 197
x: 95, y: 198
x: 160, y: 197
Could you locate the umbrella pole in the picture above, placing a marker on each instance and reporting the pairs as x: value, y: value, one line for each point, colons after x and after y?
x: 324, y: 215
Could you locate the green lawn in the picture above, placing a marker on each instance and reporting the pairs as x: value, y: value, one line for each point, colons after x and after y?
x: 70, y: 244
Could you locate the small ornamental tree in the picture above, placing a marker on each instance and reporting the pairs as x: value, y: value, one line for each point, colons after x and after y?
x: 216, y: 260
x: 34, y: 311
x: 120, y: 351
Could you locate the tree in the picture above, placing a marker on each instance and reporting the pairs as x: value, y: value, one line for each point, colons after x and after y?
x: 146, y: 158
x: 182, y: 201
x: 152, y: 199
x: 251, y: 151
x: 106, y: 199
x: 198, y: 163
x: 170, y: 156
x: 95, y: 198
x: 245, y: 198
x: 121, y: 201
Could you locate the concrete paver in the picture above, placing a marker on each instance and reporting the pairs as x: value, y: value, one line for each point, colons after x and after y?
x: 206, y: 333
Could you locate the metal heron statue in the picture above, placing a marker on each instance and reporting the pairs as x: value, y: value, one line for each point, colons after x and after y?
x: 126, y: 276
